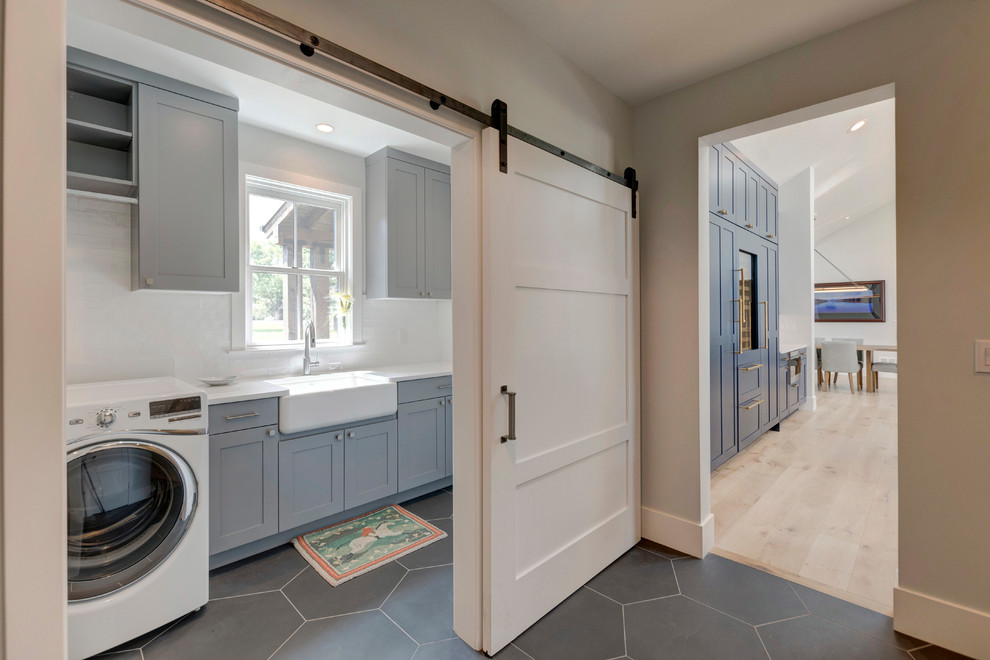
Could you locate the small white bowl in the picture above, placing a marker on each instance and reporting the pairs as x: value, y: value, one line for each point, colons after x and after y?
x: 214, y: 381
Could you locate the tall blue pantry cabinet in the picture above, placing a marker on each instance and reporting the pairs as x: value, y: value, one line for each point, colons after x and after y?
x: 743, y: 299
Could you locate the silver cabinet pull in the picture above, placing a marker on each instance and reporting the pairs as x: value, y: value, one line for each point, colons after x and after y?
x: 271, y: 433
x: 231, y: 418
x: 445, y: 387
x: 512, y: 413
x: 351, y: 434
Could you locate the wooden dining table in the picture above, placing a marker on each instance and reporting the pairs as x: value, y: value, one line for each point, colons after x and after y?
x: 869, y: 350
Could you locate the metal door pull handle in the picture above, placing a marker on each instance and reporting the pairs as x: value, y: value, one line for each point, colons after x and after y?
x: 751, y: 368
x: 752, y: 405
x: 445, y: 387
x: 230, y: 418
x: 512, y: 414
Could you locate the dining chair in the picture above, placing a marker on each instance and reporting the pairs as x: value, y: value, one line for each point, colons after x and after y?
x: 818, y: 359
x: 840, y: 357
x: 859, y: 356
x: 886, y: 367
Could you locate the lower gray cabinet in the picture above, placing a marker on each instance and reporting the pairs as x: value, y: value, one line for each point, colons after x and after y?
x: 450, y: 435
x: 422, y: 442
x: 370, y: 463
x: 243, y: 487
x: 310, y: 478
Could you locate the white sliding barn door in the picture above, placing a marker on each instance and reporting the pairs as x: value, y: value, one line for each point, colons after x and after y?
x: 561, y: 330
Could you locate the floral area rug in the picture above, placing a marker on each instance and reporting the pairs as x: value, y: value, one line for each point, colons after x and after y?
x: 347, y: 549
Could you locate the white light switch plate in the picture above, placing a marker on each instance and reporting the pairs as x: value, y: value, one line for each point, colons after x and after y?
x: 983, y: 356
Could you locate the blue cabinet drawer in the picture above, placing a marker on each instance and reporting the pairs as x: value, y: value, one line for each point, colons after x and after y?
x: 240, y: 415
x: 751, y: 380
x: 424, y: 388
x: 749, y: 420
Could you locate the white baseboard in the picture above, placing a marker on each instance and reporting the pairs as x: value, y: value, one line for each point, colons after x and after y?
x: 692, y: 538
x: 810, y: 403
x: 942, y: 623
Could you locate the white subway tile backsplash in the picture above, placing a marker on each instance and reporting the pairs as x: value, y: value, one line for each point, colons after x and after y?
x: 113, y: 332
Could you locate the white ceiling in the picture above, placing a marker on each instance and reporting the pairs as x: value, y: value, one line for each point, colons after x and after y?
x: 854, y: 172
x: 263, y: 102
x: 640, y: 49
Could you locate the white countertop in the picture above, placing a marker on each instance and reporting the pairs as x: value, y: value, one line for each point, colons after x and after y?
x: 788, y: 347
x: 247, y: 390
x: 413, y: 371
x: 242, y: 390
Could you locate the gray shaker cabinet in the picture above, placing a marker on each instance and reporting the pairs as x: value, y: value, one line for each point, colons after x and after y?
x: 184, y: 228
x: 310, y: 478
x: 243, y: 482
x: 370, y: 463
x: 449, y: 435
x: 408, y: 226
x: 422, y: 442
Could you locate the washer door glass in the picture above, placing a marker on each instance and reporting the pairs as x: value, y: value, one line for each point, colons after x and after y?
x: 129, y: 504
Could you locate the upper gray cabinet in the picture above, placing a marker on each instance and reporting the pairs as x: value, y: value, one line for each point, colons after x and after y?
x: 186, y: 219
x: 170, y: 147
x: 408, y: 226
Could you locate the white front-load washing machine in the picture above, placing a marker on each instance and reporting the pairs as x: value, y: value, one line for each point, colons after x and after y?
x: 137, y: 463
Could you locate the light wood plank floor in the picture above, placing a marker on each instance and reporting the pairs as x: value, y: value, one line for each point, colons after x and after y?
x: 817, y: 502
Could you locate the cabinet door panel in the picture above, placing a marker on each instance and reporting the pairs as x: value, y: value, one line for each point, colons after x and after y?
x: 406, y: 230
x: 243, y: 487
x: 722, y: 314
x: 727, y: 176
x: 437, y: 234
x: 370, y: 463
x: 188, y: 207
x: 713, y: 179
x: 310, y: 478
x: 422, y: 442
x: 771, y: 215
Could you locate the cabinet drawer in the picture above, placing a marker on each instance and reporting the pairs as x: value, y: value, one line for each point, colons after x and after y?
x: 226, y: 417
x: 425, y: 388
x: 751, y: 379
x: 749, y: 419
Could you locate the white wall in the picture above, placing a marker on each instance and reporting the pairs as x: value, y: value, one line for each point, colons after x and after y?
x: 113, y: 332
x: 866, y: 250
x: 932, y: 51
x: 475, y: 53
x: 796, y: 203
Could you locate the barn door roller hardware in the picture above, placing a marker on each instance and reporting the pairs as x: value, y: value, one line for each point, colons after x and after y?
x: 310, y: 43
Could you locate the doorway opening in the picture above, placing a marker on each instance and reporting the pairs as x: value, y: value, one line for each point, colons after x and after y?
x: 804, y: 463
x: 310, y: 146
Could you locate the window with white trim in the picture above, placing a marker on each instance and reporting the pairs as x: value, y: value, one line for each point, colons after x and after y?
x: 297, y: 268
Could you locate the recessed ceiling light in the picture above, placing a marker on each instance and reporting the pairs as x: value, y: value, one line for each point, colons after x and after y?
x: 847, y: 217
x: 324, y: 128
x: 858, y: 125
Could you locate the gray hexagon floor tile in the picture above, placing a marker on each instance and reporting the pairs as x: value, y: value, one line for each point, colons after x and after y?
x: 937, y: 653
x: 855, y: 617
x: 364, y: 636
x: 143, y: 640
x: 437, y: 553
x: 423, y: 604
x: 743, y: 592
x: 586, y: 626
x: 661, y: 550
x: 455, y: 649
x: 241, y: 628
x: 316, y: 598
x: 119, y: 655
x: 436, y: 505
x: 635, y: 576
x: 814, y: 638
x: 268, y: 571
x: 678, y: 628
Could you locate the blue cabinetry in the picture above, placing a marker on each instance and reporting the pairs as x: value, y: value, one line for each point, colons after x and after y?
x: 743, y: 304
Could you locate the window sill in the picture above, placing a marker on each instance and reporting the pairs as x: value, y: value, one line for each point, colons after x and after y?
x: 293, y: 348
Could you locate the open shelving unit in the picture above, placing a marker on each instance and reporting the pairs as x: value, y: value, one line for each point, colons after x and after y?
x: 101, y: 157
